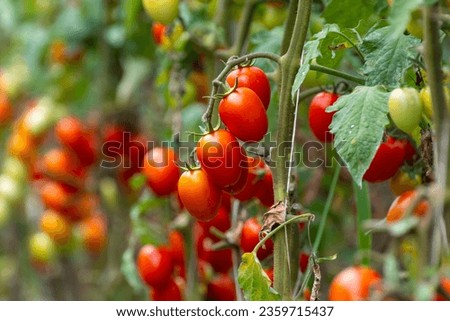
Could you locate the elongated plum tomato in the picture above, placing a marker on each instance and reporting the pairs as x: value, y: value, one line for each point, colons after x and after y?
x: 254, y: 78
x: 405, y: 108
x: 319, y: 119
x: 155, y: 265
x: 353, y: 284
x: 221, y: 156
x: 388, y: 159
x: 161, y: 11
x: 401, y: 204
x: 250, y: 237
x: 199, y: 195
x: 161, y: 170
x: 243, y: 113
x: 221, y: 288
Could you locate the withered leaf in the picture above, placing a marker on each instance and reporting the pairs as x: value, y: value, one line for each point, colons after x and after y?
x: 272, y: 218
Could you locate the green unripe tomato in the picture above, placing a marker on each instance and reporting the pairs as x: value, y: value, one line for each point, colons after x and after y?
x: 15, y: 168
x: 41, y: 247
x: 10, y: 189
x: 405, y: 108
x: 161, y: 11
x: 315, y: 79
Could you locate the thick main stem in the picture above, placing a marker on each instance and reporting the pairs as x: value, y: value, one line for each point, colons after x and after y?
x: 290, y: 62
x: 433, y: 58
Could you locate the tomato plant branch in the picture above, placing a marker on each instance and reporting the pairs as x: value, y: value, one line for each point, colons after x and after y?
x: 290, y: 63
x: 289, y: 26
x: 432, y: 58
x: 295, y: 219
x: 217, y: 82
x: 364, y: 213
x: 337, y: 73
x: 358, y: 51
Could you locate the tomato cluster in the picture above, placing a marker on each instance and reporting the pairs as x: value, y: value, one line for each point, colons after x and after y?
x: 225, y: 165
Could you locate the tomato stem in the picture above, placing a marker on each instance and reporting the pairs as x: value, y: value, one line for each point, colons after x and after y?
x: 433, y: 57
x: 358, y: 51
x: 337, y: 73
x: 364, y: 213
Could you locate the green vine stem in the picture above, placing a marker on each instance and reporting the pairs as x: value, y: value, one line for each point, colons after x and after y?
x: 217, y: 82
x: 284, y: 276
x: 433, y: 58
x: 296, y: 219
x: 364, y: 213
x: 289, y: 26
x: 358, y: 51
x: 337, y: 73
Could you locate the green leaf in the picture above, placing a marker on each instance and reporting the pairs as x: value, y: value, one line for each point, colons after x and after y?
x: 254, y: 281
x: 312, y: 50
x: 137, y: 181
x: 400, y: 15
x: 267, y: 41
x: 348, y: 13
x: 358, y: 126
x: 387, y: 58
x: 141, y: 228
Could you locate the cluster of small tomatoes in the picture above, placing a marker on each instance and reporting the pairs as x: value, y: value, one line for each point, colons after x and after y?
x: 224, y: 171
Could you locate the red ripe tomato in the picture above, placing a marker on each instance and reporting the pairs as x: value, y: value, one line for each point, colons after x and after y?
x: 221, y: 222
x: 410, y: 152
x: 169, y: 292
x: 264, y: 190
x: 250, y: 237
x: 303, y: 261
x: 255, y: 173
x: 71, y: 133
x: 161, y: 170
x: 353, y: 284
x: 61, y: 164
x: 400, y: 206
x: 57, y: 196
x: 176, y: 242
x: 155, y: 265
x: 319, y: 119
x: 254, y: 78
x: 388, y: 159
x: 243, y: 113
x: 221, y: 288
x: 158, y: 31
x: 199, y: 195
x: 221, y: 157
x: 269, y: 273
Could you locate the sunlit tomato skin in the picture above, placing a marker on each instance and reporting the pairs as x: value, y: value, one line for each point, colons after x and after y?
x: 161, y: 11
x: 250, y: 237
x: 319, y: 119
x: 155, y: 265
x: 221, y: 288
x: 405, y: 108
x: 353, y: 284
x: 169, y: 292
x: 221, y: 157
x: 388, y: 159
x: 400, y: 206
x: 254, y: 78
x: 244, y: 114
x: 56, y: 226
x: 402, y: 182
x: 158, y: 31
x: 264, y: 190
x: 161, y: 170
x: 177, y: 247
x: 93, y: 232
x: 199, y: 195
x: 255, y: 173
